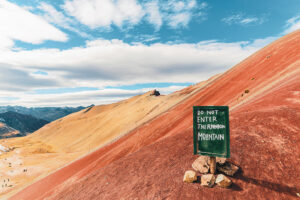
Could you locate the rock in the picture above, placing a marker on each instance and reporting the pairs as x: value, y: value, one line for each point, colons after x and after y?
x: 223, y: 181
x: 201, y: 164
x: 228, y: 168
x: 298, y: 194
x: 189, y: 176
x: 208, y: 180
x: 220, y: 161
x: 155, y: 93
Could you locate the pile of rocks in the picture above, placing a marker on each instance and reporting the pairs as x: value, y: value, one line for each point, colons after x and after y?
x: 202, y: 166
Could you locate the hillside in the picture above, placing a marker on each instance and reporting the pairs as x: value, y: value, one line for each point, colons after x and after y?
x: 75, y: 135
x: 150, y: 161
x: 23, y: 123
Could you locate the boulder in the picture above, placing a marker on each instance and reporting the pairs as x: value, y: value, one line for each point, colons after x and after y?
x: 189, y: 176
x: 223, y: 181
x: 228, y: 168
x: 208, y: 180
x: 201, y: 164
x: 220, y: 161
x: 155, y: 93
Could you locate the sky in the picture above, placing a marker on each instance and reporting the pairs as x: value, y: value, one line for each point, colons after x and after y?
x: 83, y: 52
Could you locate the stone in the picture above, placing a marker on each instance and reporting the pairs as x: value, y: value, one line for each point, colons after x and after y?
x: 189, y: 176
x: 228, y: 168
x: 201, y: 164
x: 155, y: 93
x: 208, y: 180
x: 220, y: 161
x: 223, y: 181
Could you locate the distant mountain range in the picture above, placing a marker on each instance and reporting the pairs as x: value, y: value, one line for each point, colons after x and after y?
x: 46, y: 113
x: 7, y: 132
x: 17, y: 121
x: 23, y: 123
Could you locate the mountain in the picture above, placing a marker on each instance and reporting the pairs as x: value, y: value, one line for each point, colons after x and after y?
x: 148, y: 162
x: 7, y: 132
x: 21, y: 120
x: 23, y: 123
x: 45, y: 113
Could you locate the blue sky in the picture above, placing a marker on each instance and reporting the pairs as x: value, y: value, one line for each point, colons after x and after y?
x: 78, y: 52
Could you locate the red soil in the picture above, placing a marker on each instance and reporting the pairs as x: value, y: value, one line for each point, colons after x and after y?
x: 148, y: 164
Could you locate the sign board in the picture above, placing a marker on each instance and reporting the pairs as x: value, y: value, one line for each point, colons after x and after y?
x: 211, y: 131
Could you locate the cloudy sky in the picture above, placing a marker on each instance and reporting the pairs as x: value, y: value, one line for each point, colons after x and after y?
x: 82, y: 52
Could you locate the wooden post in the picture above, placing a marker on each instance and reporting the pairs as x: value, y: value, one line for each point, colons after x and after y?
x: 212, y: 165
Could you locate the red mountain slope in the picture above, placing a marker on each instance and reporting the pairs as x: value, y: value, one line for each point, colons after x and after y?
x: 266, y: 152
x: 147, y: 163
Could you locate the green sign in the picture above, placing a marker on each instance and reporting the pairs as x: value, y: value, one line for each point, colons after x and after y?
x: 211, y: 131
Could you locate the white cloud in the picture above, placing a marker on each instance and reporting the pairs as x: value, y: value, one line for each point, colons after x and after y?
x: 178, y: 6
x: 180, y: 19
x: 178, y: 14
x: 241, y: 19
x: 85, y: 98
x: 153, y: 14
x: 5, y: 43
x: 104, y: 13
x: 17, y: 79
x: 201, y: 6
x: 249, y: 20
x: 53, y: 16
x: 98, y: 65
x: 145, y: 38
x: 292, y: 24
x: 259, y: 43
x: 102, y: 63
x: 17, y: 23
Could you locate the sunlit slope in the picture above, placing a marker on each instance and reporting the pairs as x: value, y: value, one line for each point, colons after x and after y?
x: 92, y: 127
x: 243, y: 84
x: 67, y: 139
x: 98, y: 125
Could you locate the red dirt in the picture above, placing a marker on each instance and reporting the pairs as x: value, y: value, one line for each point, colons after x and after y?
x: 148, y: 164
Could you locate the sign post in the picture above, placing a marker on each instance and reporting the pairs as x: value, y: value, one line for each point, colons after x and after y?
x: 211, y: 132
x: 212, y: 164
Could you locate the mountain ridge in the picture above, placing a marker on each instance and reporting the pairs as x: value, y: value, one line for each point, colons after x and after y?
x: 45, y: 113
